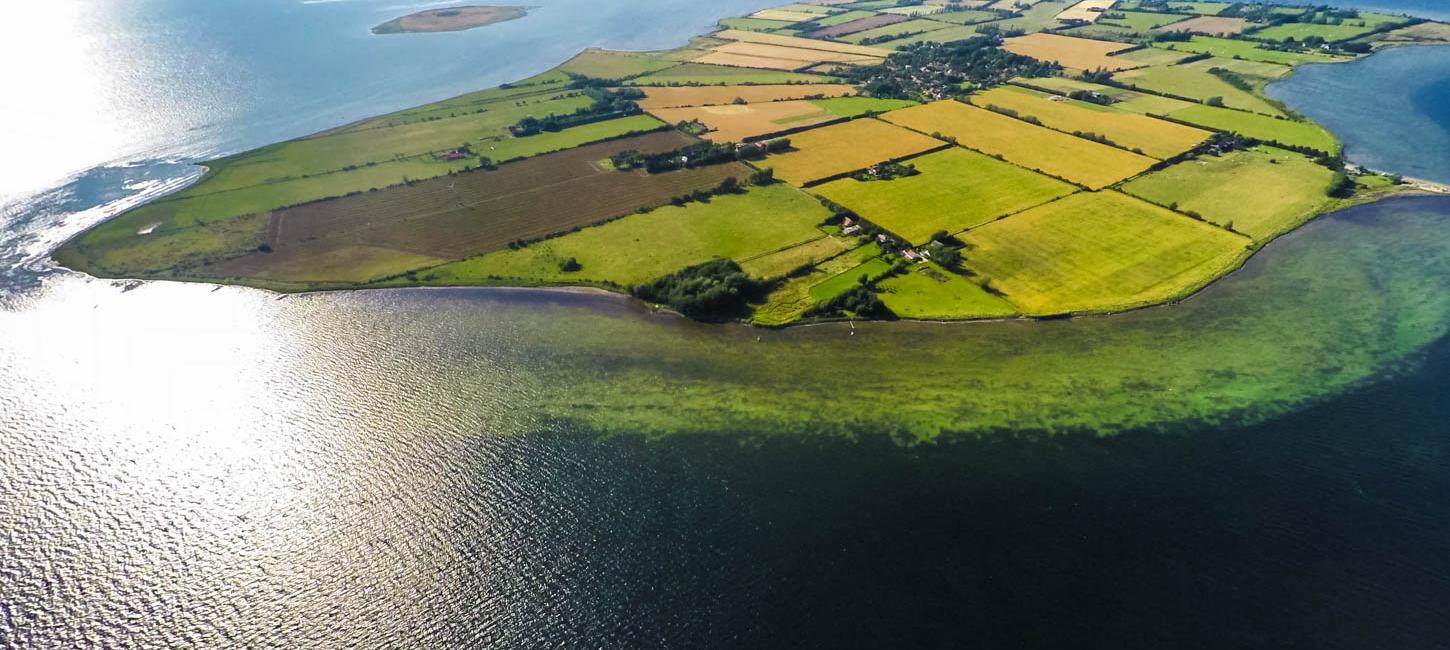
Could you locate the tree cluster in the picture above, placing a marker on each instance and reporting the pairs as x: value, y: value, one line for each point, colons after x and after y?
x: 859, y: 300
x: 695, y: 155
x: 714, y: 291
x: 607, y: 104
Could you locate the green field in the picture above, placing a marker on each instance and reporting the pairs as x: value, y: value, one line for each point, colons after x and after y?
x: 1140, y: 21
x: 1200, y: 8
x: 929, y: 291
x: 1184, y: 81
x: 842, y: 17
x: 1301, y: 31
x: 956, y: 189
x: 1075, y: 159
x: 1152, y: 56
x: 1157, y: 138
x: 1100, y: 251
x: 965, y: 16
x: 1262, y: 70
x: 1230, y: 48
x: 755, y: 24
x: 720, y: 75
x: 1263, y: 127
x: 951, y: 33
x: 839, y: 283
x: 896, y: 29
x: 854, y: 106
x: 778, y: 263
x: 1261, y: 193
x: 646, y: 246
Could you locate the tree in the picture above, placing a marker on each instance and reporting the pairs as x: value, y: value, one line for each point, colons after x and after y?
x: 763, y: 177
x: 570, y: 265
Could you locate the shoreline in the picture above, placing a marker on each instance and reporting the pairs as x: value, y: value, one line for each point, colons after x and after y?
x: 1411, y: 188
x: 452, y: 19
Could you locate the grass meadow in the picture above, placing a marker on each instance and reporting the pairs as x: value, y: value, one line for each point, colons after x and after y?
x: 1100, y: 251
x: 957, y: 189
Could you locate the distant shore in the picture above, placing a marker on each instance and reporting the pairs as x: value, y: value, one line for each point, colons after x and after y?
x: 450, y: 19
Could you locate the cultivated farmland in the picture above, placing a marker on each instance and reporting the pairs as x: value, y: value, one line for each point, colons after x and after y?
x: 1100, y: 251
x: 677, y: 96
x: 1157, y: 138
x: 740, y: 122
x: 1076, y: 159
x: 1198, y: 84
x: 897, y: 29
x: 803, y: 43
x: 956, y: 189
x: 1078, y: 53
x: 1263, y: 127
x: 840, y: 148
x: 721, y: 75
x: 1261, y: 193
x: 475, y: 212
x: 1087, y: 10
x: 857, y: 25
x: 1230, y: 48
x: 642, y: 247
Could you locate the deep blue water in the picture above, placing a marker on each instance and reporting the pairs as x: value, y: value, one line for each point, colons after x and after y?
x: 183, y: 468
x: 1392, y: 110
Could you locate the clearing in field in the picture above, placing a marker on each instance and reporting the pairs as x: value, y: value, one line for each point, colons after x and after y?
x: 1078, y: 53
x: 929, y: 291
x: 957, y: 189
x: 1184, y: 81
x: 1100, y: 251
x: 1261, y: 193
x: 842, y: 148
x: 1081, y: 161
x: 641, y: 247
x: 679, y: 96
x: 720, y: 75
x: 1210, y: 25
x: 1157, y: 138
x: 472, y: 213
x: 1087, y: 11
x: 742, y: 122
x: 803, y: 43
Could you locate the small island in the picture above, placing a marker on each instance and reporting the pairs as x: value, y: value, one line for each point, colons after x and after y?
x: 814, y: 162
x: 450, y: 19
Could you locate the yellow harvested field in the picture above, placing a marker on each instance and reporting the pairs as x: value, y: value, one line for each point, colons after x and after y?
x: 737, y: 122
x: 792, y: 53
x: 742, y: 61
x: 843, y: 148
x: 1087, y: 10
x: 1157, y: 138
x: 678, y: 96
x: 1100, y: 251
x: 1075, y: 159
x: 1070, y: 51
x: 803, y: 43
x: 782, y: 14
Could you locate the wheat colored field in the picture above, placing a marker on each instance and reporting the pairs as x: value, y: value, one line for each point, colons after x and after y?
x: 675, y: 97
x: 1081, y: 161
x: 1071, y: 52
x: 1154, y: 137
x: 846, y: 147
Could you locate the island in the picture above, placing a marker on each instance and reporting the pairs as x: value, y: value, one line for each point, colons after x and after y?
x: 818, y: 161
x: 450, y: 19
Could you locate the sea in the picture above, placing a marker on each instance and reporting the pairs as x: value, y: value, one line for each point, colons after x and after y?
x: 186, y: 466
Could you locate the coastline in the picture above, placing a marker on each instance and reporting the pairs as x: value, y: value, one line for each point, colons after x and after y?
x: 452, y: 19
x: 295, y: 287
